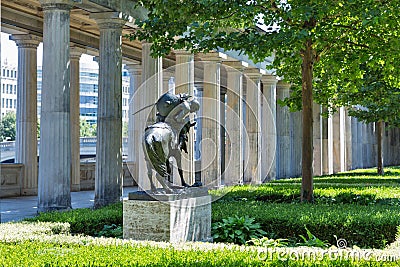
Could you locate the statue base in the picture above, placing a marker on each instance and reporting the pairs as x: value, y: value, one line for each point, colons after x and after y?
x: 184, y: 215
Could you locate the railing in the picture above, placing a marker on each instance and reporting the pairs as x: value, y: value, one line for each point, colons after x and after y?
x: 7, y: 148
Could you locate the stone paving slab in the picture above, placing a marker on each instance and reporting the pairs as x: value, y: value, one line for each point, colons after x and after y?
x: 18, y: 208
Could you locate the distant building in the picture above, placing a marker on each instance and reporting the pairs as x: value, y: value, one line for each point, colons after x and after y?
x: 88, y: 91
x: 8, y: 88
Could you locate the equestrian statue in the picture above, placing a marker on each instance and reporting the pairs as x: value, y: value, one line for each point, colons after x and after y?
x: 168, y: 138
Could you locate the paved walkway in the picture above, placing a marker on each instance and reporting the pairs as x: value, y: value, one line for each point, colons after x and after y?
x: 18, y: 208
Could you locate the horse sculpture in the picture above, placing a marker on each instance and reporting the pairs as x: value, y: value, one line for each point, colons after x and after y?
x: 168, y: 137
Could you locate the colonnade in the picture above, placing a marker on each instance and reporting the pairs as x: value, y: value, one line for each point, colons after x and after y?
x: 259, y: 141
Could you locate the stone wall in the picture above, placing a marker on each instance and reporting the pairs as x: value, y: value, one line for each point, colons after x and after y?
x: 11, y: 179
x: 12, y: 174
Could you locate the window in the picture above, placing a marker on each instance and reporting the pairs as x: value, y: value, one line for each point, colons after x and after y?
x: 15, y: 89
x: 7, y: 89
x: 4, y: 88
x: 8, y: 73
x: 6, y: 103
x: 15, y: 73
x: 2, y: 102
x: 4, y: 73
x: 15, y: 103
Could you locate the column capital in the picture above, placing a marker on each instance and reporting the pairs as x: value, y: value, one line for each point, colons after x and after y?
x: 26, y: 40
x: 253, y: 74
x: 109, y: 20
x: 134, y: 68
x: 212, y: 56
x: 269, y: 79
x: 56, y: 4
x: 235, y: 66
x: 281, y: 85
x: 182, y: 52
x: 76, y: 52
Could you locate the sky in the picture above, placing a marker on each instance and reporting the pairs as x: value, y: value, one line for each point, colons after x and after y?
x: 9, y: 53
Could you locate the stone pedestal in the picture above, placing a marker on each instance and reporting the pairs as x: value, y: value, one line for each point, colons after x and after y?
x: 180, y: 217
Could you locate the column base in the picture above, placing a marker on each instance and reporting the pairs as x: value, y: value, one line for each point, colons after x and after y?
x: 53, y: 208
x: 75, y: 187
x: 29, y: 191
x: 176, y: 217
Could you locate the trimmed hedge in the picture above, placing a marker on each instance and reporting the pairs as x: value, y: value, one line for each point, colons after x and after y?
x: 49, y: 254
x: 363, y: 226
x: 84, y: 221
x: 323, y: 193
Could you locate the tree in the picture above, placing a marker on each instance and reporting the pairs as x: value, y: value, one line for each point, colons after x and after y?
x: 376, y: 101
x: 8, y: 127
x: 87, y: 129
x: 124, y: 128
x: 305, y: 37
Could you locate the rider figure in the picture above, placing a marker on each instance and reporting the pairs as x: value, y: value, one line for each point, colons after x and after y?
x: 175, y: 110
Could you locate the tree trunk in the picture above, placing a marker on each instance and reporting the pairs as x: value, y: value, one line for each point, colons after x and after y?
x: 379, y: 131
x: 307, y: 145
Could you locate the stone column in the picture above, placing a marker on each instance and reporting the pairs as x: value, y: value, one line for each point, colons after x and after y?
x: 296, y: 137
x: 317, y: 140
x: 148, y: 93
x: 26, y: 139
x: 348, y: 144
x: 54, y: 183
x: 223, y: 131
x: 269, y: 141
x: 108, y: 183
x: 283, y: 163
x: 75, y: 55
x: 354, y: 143
x: 234, y: 125
x: 334, y: 143
x: 252, y: 171
x: 135, y: 73
x: 211, y: 138
x: 167, y: 75
x: 184, y: 83
x: 324, y: 143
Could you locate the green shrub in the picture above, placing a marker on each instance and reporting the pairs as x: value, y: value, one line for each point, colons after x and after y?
x: 323, y: 193
x: 111, y: 231
x: 268, y: 242
x: 35, y: 254
x: 237, y: 230
x: 363, y: 226
x: 312, y: 241
x: 85, y: 221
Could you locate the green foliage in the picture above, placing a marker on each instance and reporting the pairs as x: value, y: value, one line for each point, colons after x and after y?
x: 111, y: 231
x: 237, y: 230
x: 8, y: 127
x: 364, y: 226
x: 346, y: 37
x: 86, y: 221
x: 361, y: 187
x: 268, y: 242
x: 124, y: 129
x: 312, y: 241
x: 87, y: 129
x: 37, y: 254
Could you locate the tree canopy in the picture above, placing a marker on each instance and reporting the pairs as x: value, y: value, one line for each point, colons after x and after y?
x: 8, y: 127
x: 318, y: 46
